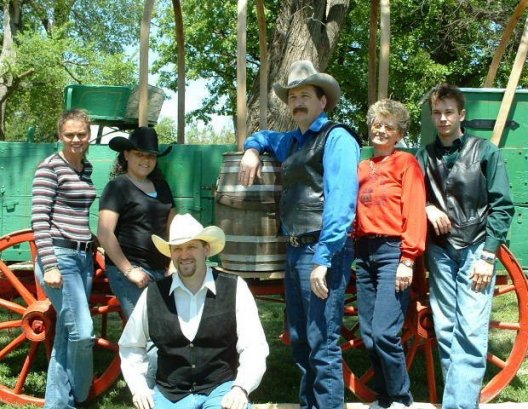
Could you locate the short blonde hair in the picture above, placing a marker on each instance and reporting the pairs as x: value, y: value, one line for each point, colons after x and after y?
x: 388, y: 107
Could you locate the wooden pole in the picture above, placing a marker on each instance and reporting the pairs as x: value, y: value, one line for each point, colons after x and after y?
x: 373, y: 59
x: 264, y: 65
x: 383, y: 87
x: 180, y: 39
x: 506, y: 35
x: 143, y: 63
x: 241, y: 74
x: 509, y: 94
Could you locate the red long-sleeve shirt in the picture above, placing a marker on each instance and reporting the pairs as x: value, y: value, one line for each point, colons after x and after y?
x: 391, y: 201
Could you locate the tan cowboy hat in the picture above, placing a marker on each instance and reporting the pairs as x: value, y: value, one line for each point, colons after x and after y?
x: 185, y: 228
x: 303, y: 73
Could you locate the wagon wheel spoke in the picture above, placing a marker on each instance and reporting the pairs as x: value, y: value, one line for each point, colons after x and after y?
x: 12, y: 306
x: 17, y: 284
x: 10, y: 324
x: 14, y: 344
x: 26, y: 368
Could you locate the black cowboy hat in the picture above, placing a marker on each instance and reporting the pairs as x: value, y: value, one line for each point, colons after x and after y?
x: 141, y: 139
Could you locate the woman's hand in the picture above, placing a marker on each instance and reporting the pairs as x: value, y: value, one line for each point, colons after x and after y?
x: 138, y: 276
x: 53, y: 277
x: 404, y: 276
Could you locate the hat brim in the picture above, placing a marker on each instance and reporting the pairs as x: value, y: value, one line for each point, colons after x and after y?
x: 120, y: 144
x: 213, y: 235
x: 324, y: 81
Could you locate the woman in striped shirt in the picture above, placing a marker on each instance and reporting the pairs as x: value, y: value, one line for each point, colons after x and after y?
x: 62, y: 195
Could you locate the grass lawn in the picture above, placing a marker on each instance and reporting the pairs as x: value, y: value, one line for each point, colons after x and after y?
x: 280, y: 383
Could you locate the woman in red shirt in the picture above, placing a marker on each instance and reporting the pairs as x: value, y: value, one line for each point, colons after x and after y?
x: 390, y: 233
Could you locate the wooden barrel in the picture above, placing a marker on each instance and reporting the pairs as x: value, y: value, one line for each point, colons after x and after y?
x: 249, y: 217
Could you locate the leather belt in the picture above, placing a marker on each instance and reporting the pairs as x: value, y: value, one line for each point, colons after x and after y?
x: 378, y: 236
x: 303, y: 240
x: 86, y: 246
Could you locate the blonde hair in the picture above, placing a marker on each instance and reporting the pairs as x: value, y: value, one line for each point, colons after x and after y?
x: 389, y: 107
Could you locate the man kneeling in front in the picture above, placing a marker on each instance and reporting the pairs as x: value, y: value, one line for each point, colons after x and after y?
x: 211, y: 346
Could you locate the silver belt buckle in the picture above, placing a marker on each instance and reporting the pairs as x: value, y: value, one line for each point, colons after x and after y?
x: 294, y: 241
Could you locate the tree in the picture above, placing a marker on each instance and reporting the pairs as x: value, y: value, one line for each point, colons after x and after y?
x: 430, y: 42
x: 78, y: 38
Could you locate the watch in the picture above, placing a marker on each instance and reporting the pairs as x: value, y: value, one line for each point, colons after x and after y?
x: 407, y: 263
x: 488, y: 258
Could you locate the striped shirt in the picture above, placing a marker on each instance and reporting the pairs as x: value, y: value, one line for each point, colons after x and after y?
x: 61, y: 202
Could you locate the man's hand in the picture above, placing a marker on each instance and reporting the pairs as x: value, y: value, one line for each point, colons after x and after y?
x: 236, y: 398
x: 438, y: 219
x: 250, y: 167
x: 318, y: 281
x: 404, y: 276
x: 481, y: 276
x: 53, y: 277
x: 143, y: 400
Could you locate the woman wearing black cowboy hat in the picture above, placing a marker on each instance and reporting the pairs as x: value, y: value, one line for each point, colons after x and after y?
x: 135, y: 204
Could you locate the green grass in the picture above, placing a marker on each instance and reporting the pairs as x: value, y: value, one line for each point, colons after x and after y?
x: 280, y: 383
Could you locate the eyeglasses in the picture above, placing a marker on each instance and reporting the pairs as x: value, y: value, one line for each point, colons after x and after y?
x: 376, y: 127
x: 72, y: 135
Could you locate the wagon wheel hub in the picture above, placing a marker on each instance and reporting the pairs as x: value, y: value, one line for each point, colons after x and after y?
x: 38, y: 321
x: 421, y: 317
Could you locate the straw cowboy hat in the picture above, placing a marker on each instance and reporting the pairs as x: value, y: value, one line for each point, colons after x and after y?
x: 185, y: 228
x: 303, y: 73
x: 141, y: 139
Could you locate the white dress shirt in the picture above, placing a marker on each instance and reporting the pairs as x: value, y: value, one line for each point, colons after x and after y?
x: 251, y: 346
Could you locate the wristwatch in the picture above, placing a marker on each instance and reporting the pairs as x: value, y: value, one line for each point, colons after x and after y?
x: 488, y: 258
x: 407, y: 263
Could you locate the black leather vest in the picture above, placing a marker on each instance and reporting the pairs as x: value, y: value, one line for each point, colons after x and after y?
x: 200, y: 365
x: 302, y: 200
x: 461, y: 193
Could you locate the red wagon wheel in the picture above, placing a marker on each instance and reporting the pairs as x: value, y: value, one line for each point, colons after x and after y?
x: 510, y: 333
x: 27, y: 322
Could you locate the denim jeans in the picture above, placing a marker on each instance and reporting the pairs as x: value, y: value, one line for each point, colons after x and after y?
x: 70, y: 370
x: 461, y: 318
x: 381, y: 316
x: 195, y: 401
x: 315, y: 325
x: 126, y: 291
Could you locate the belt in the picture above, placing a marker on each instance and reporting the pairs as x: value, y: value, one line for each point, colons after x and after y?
x: 74, y: 245
x: 378, y: 236
x: 298, y: 241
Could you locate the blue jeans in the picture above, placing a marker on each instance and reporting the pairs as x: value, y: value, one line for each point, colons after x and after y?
x: 381, y: 316
x: 461, y: 318
x: 195, y: 401
x: 70, y: 370
x: 126, y: 291
x: 315, y: 325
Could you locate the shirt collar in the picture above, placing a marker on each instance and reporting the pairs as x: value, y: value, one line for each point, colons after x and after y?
x: 457, y: 145
x: 208, y: 283
x: 315, y: 127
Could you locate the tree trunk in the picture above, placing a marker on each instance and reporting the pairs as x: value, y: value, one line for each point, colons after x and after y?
x: 305, y: 30
x: 12, y: 19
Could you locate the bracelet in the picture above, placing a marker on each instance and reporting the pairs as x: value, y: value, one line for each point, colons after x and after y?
x: 488, y: 259
x: 128, y: 270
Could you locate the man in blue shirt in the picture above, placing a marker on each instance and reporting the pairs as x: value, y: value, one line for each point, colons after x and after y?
x: 318, y: 205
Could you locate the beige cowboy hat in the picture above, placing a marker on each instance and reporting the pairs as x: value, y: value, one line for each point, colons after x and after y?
x: 304, y: 73
x: 185, y: 228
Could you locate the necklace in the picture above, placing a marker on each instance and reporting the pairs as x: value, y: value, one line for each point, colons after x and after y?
x: 376, y: 165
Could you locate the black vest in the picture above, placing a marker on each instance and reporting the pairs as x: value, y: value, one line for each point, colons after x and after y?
x: 186, y: 367
x: 461, y: 193
x: 302, y: 200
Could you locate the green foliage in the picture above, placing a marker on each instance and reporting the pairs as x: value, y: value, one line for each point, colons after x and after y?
x: 63, y: 42
x: 195, y: 133
x: 210, y: 35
